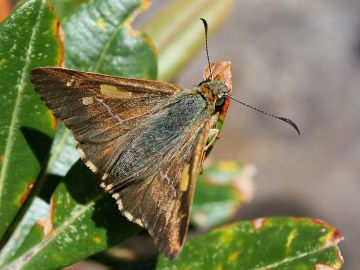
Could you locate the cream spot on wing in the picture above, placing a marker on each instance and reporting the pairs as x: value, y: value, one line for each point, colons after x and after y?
x: 102, y: 185
x: 114, y: 92
x: 69, y: 83
x: 184, y: 184
x: 116, y: 196
x: 88, y: 100
x: 128, y: 216
x: 120, y: 205
x: 81, y: 153
x: 138, y: 222
x: 110, y: 186
x: 105, y: 176
x: 91, y: 166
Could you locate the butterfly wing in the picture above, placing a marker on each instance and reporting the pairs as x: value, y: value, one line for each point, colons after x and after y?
x: 99, y: 109
x: 162, y: 203
x: 153, y: 179
x: 145, y: 139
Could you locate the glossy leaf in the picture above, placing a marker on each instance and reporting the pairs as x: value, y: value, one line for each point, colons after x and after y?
x: 65, y: 7
x: 220, y: 191
x: 38, y: 210
x: 28, y: 39
x: 63, y: 152
x: 271, y: 243
x: 82, y: 217
x: 99, y: 38
x: 178, y: 33
x: 82, y: 221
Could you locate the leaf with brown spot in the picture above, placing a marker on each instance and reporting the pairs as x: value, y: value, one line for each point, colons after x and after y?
x: 28, y: 189
x: 274, y: 245
x: 78, y: 220
x: 29, y: 38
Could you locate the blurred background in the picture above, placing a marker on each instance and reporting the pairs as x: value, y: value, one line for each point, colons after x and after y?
x: 299, y: 59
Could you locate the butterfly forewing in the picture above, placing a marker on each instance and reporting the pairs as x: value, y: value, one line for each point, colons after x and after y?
x: 99, y: 109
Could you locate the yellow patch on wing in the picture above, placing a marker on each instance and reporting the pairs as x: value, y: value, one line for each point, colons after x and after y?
x: 88, y: 100
x: 114, y: 92
x: 184, y: 184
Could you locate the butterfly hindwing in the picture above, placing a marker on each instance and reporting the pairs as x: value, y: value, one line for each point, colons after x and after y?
x: 162, y: 202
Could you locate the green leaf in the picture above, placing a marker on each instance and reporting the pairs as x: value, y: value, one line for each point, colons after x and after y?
x: 99, y: 38
x: 82, y: 217
x: 220, y: 191
x: 63, y: 152
x: 29, y: 38
x: 82, y: 221
x: 268, y: 243
x: 65, y: 7
x: 17, y: 243
x: 178, y: 33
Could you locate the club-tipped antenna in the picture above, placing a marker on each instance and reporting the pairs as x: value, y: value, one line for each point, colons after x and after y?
x: 286, y: 120
x: 206, y: 45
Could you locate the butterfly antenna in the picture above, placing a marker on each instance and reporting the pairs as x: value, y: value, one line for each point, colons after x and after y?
x: 206, y: 45
x: 286, y: 120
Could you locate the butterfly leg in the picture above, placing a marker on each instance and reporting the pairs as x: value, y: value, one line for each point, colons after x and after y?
x: 202, y: 154
x: 212, y: 138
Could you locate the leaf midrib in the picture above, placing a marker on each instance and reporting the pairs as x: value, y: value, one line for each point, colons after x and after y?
x: 297, y: 257
x: 106, y: 47
x: 20, y: 90
x: 74, y: 216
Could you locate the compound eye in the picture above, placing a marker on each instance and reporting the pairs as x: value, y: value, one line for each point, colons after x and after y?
x: 220, y: 102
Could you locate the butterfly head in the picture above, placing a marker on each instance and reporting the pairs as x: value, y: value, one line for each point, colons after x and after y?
x: 217, y: 85
x: 215, y: 91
